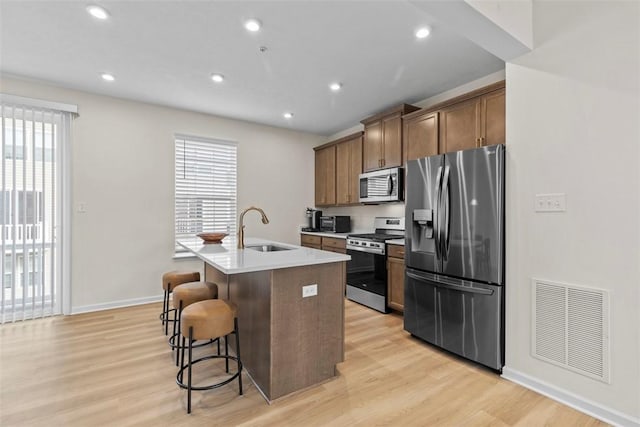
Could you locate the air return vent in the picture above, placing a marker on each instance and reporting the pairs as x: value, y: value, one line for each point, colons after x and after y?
x: 571, y: 327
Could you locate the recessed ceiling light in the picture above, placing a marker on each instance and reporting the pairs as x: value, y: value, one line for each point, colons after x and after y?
x: 108, y: 77
x: 97, y: 12
x: 252, y: 25
x: 335, y: 86
x: 218, y: 78
x: 288, y: 115
x: 422, y: 33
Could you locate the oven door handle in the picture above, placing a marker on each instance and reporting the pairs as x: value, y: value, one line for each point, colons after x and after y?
x: 481, y: 291
x: 367, y: 250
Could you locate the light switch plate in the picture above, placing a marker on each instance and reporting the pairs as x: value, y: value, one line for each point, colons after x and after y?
x: 556, y: 202
x: 309, y: 290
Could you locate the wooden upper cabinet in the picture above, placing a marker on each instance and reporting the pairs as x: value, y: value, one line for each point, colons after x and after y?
x: 325, y: 176
x: 474, y: 123
x: 372, y: 146
x: 493, y: 118
x: 460, y: 126
x: 348, y: 169
x: 392, y: 141
x: 382, y: 145
x: 420, y: 135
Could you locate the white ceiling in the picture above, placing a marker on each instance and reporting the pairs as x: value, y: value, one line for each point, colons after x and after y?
x: 164, y: 52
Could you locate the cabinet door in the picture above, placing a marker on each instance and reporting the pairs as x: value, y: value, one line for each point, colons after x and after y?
x: 493, y: 118
x: 372, y: 147
x: 325, y: 176
x: 460, y: 126
x: 421, y: 136
x: 355, y: 169
x: 392, y: 141
x: 348, y: 170
x: 343, y: 172
x: 395, y: 283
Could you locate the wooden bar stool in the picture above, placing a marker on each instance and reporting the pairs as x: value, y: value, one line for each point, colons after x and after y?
x: 208, y: 320
x: 183, y: 296
x: 170, y: 280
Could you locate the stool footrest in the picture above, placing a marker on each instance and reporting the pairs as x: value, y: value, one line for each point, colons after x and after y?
x: 173, y: 345
x: 212, y: 386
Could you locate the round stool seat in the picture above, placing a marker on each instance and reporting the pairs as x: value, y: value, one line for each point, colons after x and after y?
x: 172, y: 279
x: 189, y: 293
x: 209, y: 319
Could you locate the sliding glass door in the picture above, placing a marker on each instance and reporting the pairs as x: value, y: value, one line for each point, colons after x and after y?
x: 30, y: 210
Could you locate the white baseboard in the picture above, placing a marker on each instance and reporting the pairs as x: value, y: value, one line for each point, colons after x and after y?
x: 579, y: 403
x: 115, y: 304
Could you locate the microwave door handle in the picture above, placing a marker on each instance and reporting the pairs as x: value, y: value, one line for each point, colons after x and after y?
x: 446, y: 213
x: 436, y: 213
x: 389, y: 185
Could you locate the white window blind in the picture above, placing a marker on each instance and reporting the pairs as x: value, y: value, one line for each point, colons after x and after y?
x: 206, y: 182
x: 33, y: 139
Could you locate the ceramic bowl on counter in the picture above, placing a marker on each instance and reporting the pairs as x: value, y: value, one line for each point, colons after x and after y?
x: 212, y: 237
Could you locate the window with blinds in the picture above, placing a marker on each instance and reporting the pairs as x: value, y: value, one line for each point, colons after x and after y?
x: 205, y: 186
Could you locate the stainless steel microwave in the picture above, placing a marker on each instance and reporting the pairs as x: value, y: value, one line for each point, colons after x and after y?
x: 385, y: 185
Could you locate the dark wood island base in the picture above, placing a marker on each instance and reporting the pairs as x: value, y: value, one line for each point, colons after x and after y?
x: 289, y: 342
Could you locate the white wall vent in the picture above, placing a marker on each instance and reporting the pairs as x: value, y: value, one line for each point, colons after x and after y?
x: 571, y: 327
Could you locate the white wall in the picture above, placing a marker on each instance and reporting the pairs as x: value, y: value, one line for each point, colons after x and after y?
x: 573, y: 114
x: 123, y: 169
x: 514, y: 16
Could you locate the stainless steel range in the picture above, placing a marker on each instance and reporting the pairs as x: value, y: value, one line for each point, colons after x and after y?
x: 367, y: 270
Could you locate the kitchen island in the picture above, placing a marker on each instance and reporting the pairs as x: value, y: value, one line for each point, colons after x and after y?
x: 289, y: 342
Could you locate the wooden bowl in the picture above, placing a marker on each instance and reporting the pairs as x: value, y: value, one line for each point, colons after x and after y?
x: 212, y: 237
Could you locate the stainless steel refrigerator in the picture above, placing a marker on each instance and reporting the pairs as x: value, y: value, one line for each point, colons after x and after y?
x: 454, y: 246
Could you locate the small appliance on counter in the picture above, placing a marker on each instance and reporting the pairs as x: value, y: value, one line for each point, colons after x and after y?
x: 313, y: 219
x: 335, y: 224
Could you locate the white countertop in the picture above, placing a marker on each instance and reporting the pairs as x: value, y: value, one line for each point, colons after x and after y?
x: 395, y: 242
x: 326, y: 234
x: 227, y: 258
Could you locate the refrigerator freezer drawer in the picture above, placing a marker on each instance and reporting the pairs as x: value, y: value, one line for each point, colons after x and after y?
x: 460, y: 316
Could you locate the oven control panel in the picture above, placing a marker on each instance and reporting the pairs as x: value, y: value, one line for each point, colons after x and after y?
x: 366, y: 246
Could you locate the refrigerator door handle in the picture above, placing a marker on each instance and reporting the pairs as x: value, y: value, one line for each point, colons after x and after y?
x: 446, y: 213
x: 459, y: 288
x: 436, y: 213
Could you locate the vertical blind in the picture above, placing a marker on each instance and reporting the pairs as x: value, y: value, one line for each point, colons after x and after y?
x: 30, y: 212
x: 205, y: 186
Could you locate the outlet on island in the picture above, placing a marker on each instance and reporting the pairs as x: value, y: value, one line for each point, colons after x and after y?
x: 309, y: 290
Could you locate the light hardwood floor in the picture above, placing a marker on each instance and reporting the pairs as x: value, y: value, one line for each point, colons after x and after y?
x: 115, y: 368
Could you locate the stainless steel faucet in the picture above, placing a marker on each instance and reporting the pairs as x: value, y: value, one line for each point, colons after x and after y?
x: 265, y: 220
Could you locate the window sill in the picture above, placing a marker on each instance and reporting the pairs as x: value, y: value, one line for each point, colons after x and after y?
x: 184, y: 256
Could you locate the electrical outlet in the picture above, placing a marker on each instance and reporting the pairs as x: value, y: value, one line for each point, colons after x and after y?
x: 556, y: 202
x: 309, y: 290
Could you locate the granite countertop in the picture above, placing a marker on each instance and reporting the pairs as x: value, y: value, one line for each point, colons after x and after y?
x: 228, y: 259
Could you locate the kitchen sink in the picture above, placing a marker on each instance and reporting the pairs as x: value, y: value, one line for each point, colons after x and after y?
x: 267, y: 248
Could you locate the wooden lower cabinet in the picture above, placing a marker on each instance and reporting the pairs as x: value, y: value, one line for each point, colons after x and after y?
x: 310, y: 241
x: 395, y: 277
x: 331, y: 244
